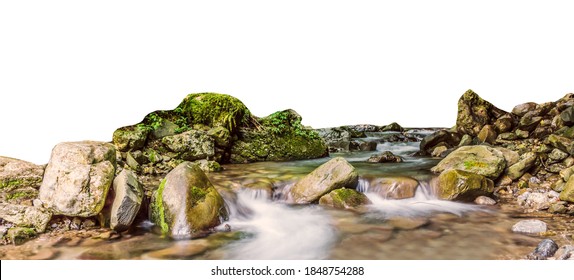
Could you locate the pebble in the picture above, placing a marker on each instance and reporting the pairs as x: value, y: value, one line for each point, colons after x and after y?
x: 545, y: 249
x: 530, y: 227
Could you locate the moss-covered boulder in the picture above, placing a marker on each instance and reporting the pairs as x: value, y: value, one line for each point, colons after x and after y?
x: 478, y: 159
x: 562, y: 143
x: 190, y: 145
x: 186, y: 204
x: 462, y: 185
x: 280, y: 137
x: 131, y: 137
x: 334, y: 174
x: 344, y: 199
x: 25, y: 216
x: 474, y: 113
x: 19, y: 180
x: 78, y: 177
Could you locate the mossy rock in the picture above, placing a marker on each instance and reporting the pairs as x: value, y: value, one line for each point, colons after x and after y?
x: 462, y: 185
x: 479, y: 159
x: 19, y: 235
x: 186, y: 204
x: 474, y: 113
x: 130, y: 138
x: 344, y: 199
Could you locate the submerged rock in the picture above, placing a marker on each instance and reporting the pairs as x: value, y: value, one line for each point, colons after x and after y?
x: 344, y: 199
x: 127, y: 201
x: 186, y: 204
x: 335, y: 174
x: 386, y: 156
x: 482, y: 160
x: 78, y: 177
x: 456, y: 184
x: 530, y: 227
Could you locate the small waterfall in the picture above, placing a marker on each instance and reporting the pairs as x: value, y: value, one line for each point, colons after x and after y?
x: 363, y: 185
x: 279, y: 231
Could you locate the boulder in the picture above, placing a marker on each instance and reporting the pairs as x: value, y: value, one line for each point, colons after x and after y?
x: 394, y: 187
x: 78, y: 177
x: 130, y: 137
x: 511, y: 157
x: 504, y: 124
x: 484, y: 200
x: 545, y: 249
x: 568, y: 193
x: 522, y: 109
x: 529, y: 121
x: 386, y: 156
x: 25, y: 216
x: 562, y: 143
x: 487, y: 134
x: 518, y: 169
x: 433, y: 140
x: 462, y: 185
x: 530, y: 227
x: 465, y: 140
x: 521, y: 134
x: 127, y: 201
x: 186, y: 204
x: 337, y: 139
x: 482, y: 160
x: 19, y: 179
x: 220, y: 135
x: 557, y: 155
x: 344, y: 199
x: 392, y: 127
x: 508, y: 136
x: 567, y: 116
x: 474, y: 113
x: 190, y: 145
x: 335, y: 174
x: 368, y: 146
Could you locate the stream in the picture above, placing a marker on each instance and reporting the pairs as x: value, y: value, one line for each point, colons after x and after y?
x: 262, y: 225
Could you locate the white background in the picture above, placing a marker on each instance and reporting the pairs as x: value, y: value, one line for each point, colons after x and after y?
x: 77, y: 70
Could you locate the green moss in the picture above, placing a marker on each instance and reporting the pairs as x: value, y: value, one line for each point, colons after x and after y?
x: 11, y: 183
x: 158, y: 210
x: 213, y: 109
x: 22, y: 194
x: 475, y: 164
x: 19, y: 235
x: 196, y: 195
x: 287, y: 122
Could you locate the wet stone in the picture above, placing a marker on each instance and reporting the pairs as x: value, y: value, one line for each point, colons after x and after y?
x: 484, y: 200
x: 545, y: 249
x: 530, y: 227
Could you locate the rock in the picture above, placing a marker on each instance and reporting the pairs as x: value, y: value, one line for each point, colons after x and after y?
x: 504, y: 124
x: 190, y: 145
x: 529, y: 227
x: 536, y: 201
x: 518, y: 169
x: 432, y: 140
x: 557, y: 208
x: 567, y: 173
x: 438, y: 151
x: 78, y: 177
x: 335, y: 174
x: 474, y: 113
x: 557, y: 155
x: 565, y: 252
x: 344, y: 199
x: 521, y: 134
x: 522, y: 109
x: 127, y: 201
x: 394, y: 187
x: 562, y: 143
x: 456, y: 184
x: 19, y: 235
x: 484, y: 200
x: 487, y: 134
x: 466, y: 140
x: 529, y: 122
x: 368, y: 146
x: 19, y: 179
x: 132, y: 162
x: 567, y: 116
x: 220, y: 135
x: 25, y: 216
x: 482, y: 160
x: 209, y: 165
x: 545, y: 249
x: 392, y: 127
x: 386, y: 156
x: 568, y: 193
x: 511, y: 157
x: 337, y: 139
x: 186, y: 204
x: 130, y: 138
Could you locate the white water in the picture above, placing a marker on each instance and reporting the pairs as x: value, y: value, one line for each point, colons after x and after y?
x: 401, y: 149
x: 279, y: 231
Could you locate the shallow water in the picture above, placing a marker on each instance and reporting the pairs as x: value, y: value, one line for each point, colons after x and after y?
x: 263, y: 226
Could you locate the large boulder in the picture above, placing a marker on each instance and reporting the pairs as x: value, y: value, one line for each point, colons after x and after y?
x: 335, y: 174
x: 521, y: 109
x: 19, y: 179
x: 78, y: 177
x: 461, y: 185
x: 186, y: 204
x: 479, y: 159
x: 280, y: 137
x: 127, y: 201
x: 474, y: 113
x: 25, y: 216
x: 344, y: 199
x: 190, y: 145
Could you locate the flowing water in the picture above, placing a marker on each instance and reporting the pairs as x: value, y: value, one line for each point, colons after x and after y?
x: 262, y: 225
